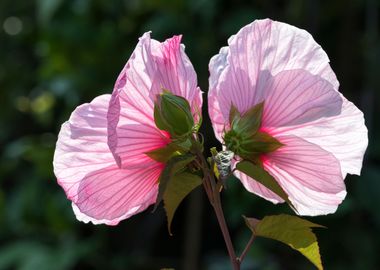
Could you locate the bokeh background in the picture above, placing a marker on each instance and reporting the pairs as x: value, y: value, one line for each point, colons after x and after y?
x: 57, y: 54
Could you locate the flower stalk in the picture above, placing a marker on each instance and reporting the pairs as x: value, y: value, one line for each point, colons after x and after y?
x: 246, y: 249
x: 212, y: 188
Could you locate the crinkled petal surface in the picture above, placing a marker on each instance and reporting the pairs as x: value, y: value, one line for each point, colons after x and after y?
x: 344, y: 135
x: 296, y: 97
x: 309, y: 175
x: 100, y: 159
x: 101, y: 192
x: 284, y: 67
x: 153, y: 66
x: 255, y: 187
x: 256, y: 53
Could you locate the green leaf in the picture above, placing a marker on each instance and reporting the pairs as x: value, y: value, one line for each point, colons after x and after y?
x: 290, y: 230
x: 163, y: 154
x: 179, y: 186
x: 173, y: 166
x: 260, y: 175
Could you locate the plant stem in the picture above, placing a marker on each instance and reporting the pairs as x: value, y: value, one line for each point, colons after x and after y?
x: 250, y: 242
x: 223, y: 226
x: 213, y: 195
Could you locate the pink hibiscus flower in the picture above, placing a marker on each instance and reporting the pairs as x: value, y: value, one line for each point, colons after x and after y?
x: 323, y: 135
x: 100, y: 159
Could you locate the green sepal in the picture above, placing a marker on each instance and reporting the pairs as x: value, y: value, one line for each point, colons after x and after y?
x: 265, y: 143
x: 173, y: 166
x: 259, y: 143
x: 290, y: 230
x: 160, y: 123
x: 183, y: 144
x: 234, y: 114
x: 245, y: 138
x: 257, y: 173
x: 179, y: 186
x: 165, y: 153
x: 198, y: 125
x: 249, y: 122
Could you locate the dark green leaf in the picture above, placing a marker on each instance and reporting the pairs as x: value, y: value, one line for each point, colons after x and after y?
x: 290, y: 230
x: 260, y: 175
x: 173, y: 166
x: 163, y: 154
x: 179, y: 186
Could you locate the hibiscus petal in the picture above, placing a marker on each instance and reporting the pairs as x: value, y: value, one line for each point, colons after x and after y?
x: 112, y: 194
x: 255, y: 187
x: 174, y: 70
x: 217, y: 64
x: 296, y: 97
x: 256, y: 53
x: 310, y: 175
x: 284, y: 67
x: 87, y: 171
x: 86, y: 219
x: 153, y: 66
x: 343, y: 135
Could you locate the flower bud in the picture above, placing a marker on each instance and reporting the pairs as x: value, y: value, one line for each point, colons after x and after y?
x: 173, y: 114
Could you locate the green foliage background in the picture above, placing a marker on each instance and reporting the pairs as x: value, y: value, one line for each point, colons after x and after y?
x: 68, y: 52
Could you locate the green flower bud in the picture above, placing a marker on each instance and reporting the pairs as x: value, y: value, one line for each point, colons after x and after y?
x: 173, y: 114
x: 244, y: 137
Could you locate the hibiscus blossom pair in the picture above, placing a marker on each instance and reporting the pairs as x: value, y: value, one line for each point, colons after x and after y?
x: 301, y: 131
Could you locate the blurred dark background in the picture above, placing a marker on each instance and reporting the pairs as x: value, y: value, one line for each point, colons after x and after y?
x: 55, y: 55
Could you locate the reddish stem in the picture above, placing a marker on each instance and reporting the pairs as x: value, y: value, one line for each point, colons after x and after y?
x: 247, y: 247
x: 223, y: 226
x: 213, y: 195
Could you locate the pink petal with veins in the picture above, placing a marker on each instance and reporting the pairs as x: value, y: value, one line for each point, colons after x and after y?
x: 101, y: 192
x: 100, y: 159
x: 284, y: 67
x: 153, y: 66
x: 295, y: 97
x: 310, y: 176
x: 258, y: 51
x: 255, y: 187
x: 344, y: 135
